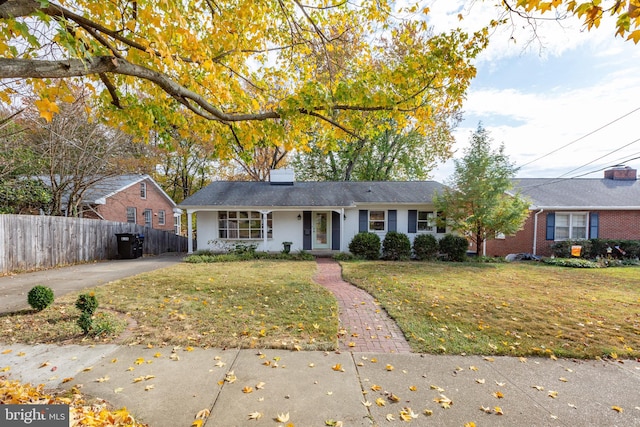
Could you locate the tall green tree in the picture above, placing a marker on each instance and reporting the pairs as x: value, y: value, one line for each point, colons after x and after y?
x: 477, y: 201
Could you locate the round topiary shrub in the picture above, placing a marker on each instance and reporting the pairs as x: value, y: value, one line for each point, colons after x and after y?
x: 87, y: 303
x: 365, y: 245
x: 40, y: 297
x: 396, y: 246
x: 425, y: 247
x: 454, y: 247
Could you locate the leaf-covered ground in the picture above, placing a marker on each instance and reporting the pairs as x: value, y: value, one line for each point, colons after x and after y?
x: 237, y: 304
x: 508, y: 309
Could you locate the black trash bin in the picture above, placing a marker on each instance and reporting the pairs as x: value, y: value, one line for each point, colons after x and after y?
x: 127, y: 245
x: 139, y: 242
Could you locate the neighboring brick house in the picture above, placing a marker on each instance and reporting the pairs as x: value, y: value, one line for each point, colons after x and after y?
x: 571, y: 209
x: 132, y: 198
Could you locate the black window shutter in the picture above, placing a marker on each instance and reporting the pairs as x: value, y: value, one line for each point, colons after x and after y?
x: 551, y: 225
x: 440, y: 215
x: 335, y: 231
x: 306, y: 227
x: 363, y: 221
x: 594, y: 224
x: 393, y: 220
x: 413, y: 221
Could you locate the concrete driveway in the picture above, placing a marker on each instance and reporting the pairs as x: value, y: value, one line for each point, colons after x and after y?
x: 63, y: 280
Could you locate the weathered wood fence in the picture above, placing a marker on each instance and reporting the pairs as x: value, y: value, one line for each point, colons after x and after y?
x: 30, y: 242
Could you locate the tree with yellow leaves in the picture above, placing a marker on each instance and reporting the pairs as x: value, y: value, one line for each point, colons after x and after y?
x: 244, y: 70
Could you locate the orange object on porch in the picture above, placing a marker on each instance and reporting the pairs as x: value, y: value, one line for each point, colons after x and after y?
x: 576, y: 250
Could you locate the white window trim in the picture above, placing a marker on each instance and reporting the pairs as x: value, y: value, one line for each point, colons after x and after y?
x: 430, y: 221
x: 148, y: 213
x: 384, y: 221
x: 143, y: 190
x: 571, y: 214
x: 162, y: 215
x: 135, y: 212
x: 261, y: 237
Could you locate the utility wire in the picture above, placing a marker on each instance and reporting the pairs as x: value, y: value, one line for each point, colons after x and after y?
x: 599, y: 158
x: 581, y: 138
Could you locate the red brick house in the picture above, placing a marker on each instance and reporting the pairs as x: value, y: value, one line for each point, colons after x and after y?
x: 132, y: 198
x: 571, y: 209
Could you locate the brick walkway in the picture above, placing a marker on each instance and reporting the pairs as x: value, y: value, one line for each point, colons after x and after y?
x: 364, y: 325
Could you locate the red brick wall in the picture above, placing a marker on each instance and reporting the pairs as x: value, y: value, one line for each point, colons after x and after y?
x: 116, y: 207
x: 623, y: 225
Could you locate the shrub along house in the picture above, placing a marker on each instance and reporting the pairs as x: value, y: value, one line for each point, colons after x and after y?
x: 321, y: 217
x: 574, y: 209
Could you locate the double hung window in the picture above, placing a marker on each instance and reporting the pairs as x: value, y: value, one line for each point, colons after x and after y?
x: 243, y: 225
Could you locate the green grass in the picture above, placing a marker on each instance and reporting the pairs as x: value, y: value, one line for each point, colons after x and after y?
x: 236, y: 304
x: 508, y: 309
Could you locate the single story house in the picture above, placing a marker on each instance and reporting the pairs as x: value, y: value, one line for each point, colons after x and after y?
x: 571, y: 209
x: 133, y: 198
x: 320, y: 217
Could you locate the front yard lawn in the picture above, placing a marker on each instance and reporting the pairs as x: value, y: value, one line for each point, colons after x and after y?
x: 232, y: 304
x: 508, y: 309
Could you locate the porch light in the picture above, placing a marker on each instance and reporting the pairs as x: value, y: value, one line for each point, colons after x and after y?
x: 299, y: 217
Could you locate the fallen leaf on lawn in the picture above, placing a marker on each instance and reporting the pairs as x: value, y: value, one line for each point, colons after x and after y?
x: 498, y: 395
x: 498, y: 410
x: 337, y: 367
x: 406, y: 414
x: 282, y: 418
x: 149, y: 387
x: 102, y: 379
x: 617, y: 408
x: 480, y: 380
x: 380, y: 402
x: 428, y: 412
x: 255, y: 415
x: 553, y: 394
x: 376, y: 387
x: 260, y: 385
x: 390, y: 418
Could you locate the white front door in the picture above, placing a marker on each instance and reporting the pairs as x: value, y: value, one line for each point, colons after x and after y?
x: 321, y: 228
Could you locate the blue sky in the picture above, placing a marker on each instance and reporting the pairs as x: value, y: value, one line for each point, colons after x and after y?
x: 537, y: 97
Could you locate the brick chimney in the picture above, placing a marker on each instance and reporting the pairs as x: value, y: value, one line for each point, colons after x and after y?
x: 621, y: 173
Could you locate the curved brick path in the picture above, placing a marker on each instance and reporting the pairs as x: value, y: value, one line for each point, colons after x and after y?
x: 366, y: 327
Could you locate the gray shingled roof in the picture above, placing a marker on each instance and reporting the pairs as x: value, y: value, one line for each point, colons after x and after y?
x: 580, y: 193
x: 312, y: 194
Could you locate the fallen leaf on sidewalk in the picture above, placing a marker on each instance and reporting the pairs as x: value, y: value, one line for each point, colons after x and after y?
x: 282, y: 418
x: 255, y: 415
x: 617, y: 408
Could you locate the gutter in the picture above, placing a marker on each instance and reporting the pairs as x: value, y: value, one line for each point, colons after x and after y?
x: 535, y: 230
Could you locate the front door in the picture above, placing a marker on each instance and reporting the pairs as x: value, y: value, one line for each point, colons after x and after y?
x: 321, y: 230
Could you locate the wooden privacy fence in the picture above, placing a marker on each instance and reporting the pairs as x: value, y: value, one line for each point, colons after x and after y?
x: 29, y: 242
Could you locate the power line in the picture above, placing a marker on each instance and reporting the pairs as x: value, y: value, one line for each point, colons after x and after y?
x: 599, y: 158
x: 581, y: 138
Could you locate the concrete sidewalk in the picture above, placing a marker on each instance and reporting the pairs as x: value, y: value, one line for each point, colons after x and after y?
x: 316, y: 387
x: 63, y: 280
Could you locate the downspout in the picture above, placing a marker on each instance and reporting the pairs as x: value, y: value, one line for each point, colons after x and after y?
x: 535, y: 230
x: 341, y: 229
x: 189, y: 232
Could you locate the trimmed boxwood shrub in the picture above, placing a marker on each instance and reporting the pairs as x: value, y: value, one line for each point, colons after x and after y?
x: 425, y: 246
x: 365, y: 245
x: 454, y: 247
x: 396, y: 246
x: 40, y: 297
x: 87, y: 303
